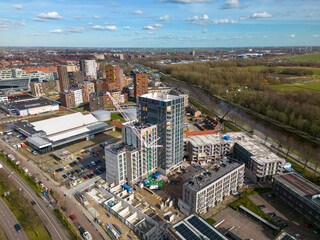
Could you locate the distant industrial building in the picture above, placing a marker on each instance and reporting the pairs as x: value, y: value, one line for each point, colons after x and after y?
x: 74, y: 97
x: 167, y: 111
x: 89, y: 68
x: 194, y: 228
x: 301, y: 194
x: 140, y: 83
x: 47, y: 135
x: 25, y: 104
x: 211, y: 186
x: 261, y: 163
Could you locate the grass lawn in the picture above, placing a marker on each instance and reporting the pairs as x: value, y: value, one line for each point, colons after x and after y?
x: 2, y: 234
x: 297, y: 87
x: 211, y: 221
x: 117, y: 116
x: 66, y: 224
x: 308, y: 57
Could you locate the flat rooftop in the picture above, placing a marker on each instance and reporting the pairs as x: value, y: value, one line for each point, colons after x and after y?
x: 212, y: 138
x: 160, y: 96
x: 206, y: 177
x: 26, y: 101
x: 120, y: 147
x: 301, y: 186
x: 195, y: 228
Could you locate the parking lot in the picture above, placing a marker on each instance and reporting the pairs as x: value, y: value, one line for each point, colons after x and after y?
x: 297, y: 224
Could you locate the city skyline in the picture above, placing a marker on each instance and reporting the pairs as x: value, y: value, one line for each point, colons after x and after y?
x: 160, y: 23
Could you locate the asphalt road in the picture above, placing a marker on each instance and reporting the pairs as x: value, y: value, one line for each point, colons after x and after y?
x: 60, y: 191
x: 48, y: 218
x: 7, y: 221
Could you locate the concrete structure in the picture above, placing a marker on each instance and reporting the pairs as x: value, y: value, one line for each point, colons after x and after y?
x: 261, y: 163
x: 46, y: 135
x: 167, y: 111
x: 74, y: 97
x: 88, y: 85
x: 63, y: 73
x: 211, y: 186
x: 89, y: 68
x: 210, y: 147
x: 194, y: 228
x: 163, y: 90
x: 301, y: 194
x: 113, y: 78
x: 15, y: 83
x: 63, y: 155
x: 102, y: 115
x: 141, y: 82
x: 25, y: 104
x: 131, y: 113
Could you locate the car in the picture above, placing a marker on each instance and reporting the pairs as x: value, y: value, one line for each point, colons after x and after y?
x: 34, y: 152
x: 64, y: 176
x: 68, y: 173
x: 297, y: 235
x: 93, y: 163
x: 85, y: 177
x: 18, y: 227
x: 271, y: 214
x: 72, y: 217
x: 270, y: 195
x: 277, y: 219
x: 77, y: 170
x: 283, y: 224
x: 73, y: 172
x: 33, y: 202
x: 79, y: 158
x: 261, y: 206
x: 316, y: 231
x: 174, y: 181
x: 82, y: 169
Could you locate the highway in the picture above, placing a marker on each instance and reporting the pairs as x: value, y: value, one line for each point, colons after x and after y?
x: 7, y: 221
x: 46, y: 215
x: 67, y: 201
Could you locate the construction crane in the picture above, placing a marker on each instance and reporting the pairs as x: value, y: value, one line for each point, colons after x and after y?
x: 148, y: 146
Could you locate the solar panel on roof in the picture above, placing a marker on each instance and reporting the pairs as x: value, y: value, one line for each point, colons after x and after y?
x: 204, y: 229
x: 186, y: 232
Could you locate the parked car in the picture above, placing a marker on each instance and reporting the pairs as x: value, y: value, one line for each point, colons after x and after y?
x: 64, y: 176
x: 261, y: 206
x: 271, y: 214
x: 79, y: 158
x: 283, y: 224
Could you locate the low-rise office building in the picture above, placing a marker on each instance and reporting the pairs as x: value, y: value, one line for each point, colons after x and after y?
x: 25, y: 104
x: 300, y: 194
x: 211, y: 186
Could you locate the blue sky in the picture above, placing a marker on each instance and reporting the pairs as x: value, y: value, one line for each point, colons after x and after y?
x: 159, y: 23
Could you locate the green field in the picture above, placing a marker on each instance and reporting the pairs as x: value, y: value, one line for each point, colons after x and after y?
x: 297, y: 87
x: 309, y: 57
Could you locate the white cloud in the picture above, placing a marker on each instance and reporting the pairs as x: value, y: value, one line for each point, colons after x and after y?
x: 152, y: 27
x: 224, y: 21
x: 204, y: 30
x: 108, y: 23
x: 56, y: 31
x: 188, y: 1
x: 105, y: 28
x: 261, y: 15
x: 43, y: 17
x: 6, y: 24
x: 75, y: 30
x: 165, y: 18
x: 232, y: 4
x: 90, y: 23
x: 316, y: 35
x: 311, y: 15
x: 17, y: 6
x: 292, y: 35
x: 138, y: 12
x: 199, y: 20
x: 96, y: 17
x: 149, y: 32
x: 257, y: 15
x: 126, y: 28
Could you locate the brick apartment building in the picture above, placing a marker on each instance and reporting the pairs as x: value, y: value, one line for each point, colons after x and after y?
x: 140, y: 82
x: 74, y: 97
x: 88, y: 85
x: 100, y: 100
x: 113, y: 78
